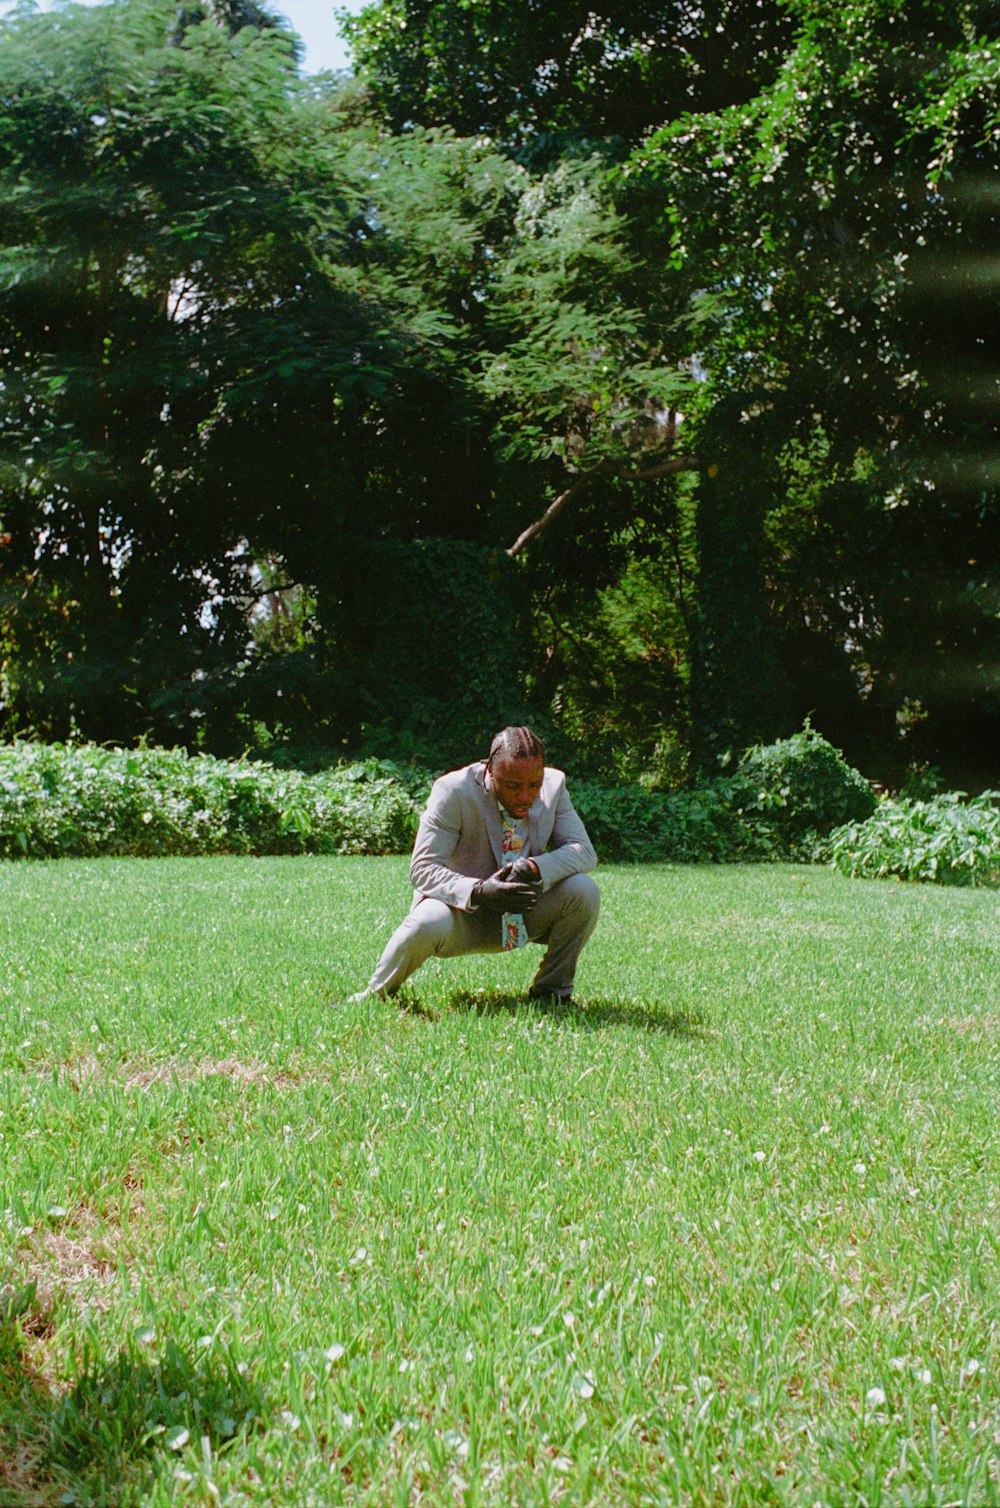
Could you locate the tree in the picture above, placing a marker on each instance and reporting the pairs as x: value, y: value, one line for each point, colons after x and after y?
x: 219, y: 349
x: 527, y: 71
x: 748, y: 268
x: 818, y: 217
x: 696, y: 408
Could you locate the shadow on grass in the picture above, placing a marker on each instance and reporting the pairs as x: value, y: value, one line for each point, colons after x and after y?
x: 411, y: 1005
x: 97, y: 1444
x: 593, y: 1014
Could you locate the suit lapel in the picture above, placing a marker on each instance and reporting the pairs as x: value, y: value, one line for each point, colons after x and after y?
x: 491, y: 812
x: 539, y: 807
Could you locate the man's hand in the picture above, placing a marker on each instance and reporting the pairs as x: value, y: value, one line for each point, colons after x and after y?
x: 501, y: 892
x: 524, y: 869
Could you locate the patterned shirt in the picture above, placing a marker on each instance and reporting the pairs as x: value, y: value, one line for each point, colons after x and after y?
x: 513, y: 932
x: 515, y: 837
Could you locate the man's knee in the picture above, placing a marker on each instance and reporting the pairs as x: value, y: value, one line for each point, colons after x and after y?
x: 574, y: 901
x: 431, y: 929
x: 429, y: 926
x: 580, y: 892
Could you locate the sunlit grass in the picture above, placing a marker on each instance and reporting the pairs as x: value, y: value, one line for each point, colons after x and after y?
x: 724, y: 1231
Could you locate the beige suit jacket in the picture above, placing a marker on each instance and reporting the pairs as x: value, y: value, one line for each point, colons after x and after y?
x: 460, y: 837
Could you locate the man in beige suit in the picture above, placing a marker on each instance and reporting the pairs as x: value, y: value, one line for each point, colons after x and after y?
x: 500, y: 859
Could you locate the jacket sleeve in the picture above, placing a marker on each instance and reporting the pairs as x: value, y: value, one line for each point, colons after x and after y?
x: 431, y: 872
x: 569, y: 850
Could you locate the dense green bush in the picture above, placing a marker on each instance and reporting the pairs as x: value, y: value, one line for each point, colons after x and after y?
x: 800, y: 786
x: 948, y: 840
x: 629, y: 824
x: 781, y: 799
x: 85, y: 801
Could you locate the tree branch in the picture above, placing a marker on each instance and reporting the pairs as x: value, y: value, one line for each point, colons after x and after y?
x: 555, y: 507
x: 257, y: 592
x: 645, y: 474
x: 663, y: 468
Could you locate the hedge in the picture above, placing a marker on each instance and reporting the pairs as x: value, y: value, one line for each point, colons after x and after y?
x: 84, y: 801
x: 81, y: 801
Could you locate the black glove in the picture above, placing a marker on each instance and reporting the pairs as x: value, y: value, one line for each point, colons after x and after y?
x: 524, y: 869
x: 501, y: 893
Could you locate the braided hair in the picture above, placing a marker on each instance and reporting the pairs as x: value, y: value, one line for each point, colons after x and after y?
x: 516, y: 743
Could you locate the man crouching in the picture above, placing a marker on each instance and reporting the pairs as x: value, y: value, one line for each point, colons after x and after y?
x: 500, y: 860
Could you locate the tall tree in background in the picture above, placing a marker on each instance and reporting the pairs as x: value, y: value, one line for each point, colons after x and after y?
x: 144, y: 182
x: 222, y: 348
x: 791, y: 236
x: 528, y: 71
x: 683, y: 372
x: 841, y: 220
x: 592, y: 335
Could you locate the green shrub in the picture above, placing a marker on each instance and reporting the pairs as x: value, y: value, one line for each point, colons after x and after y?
x: 777, y: 803
x: 800, y: 786
x: 84, y: 801
x: 61, y: 801
x: 948, y: 840
x: 701, y: 825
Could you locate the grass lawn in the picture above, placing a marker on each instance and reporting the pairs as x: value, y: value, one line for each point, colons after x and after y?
x: 723, y: 1232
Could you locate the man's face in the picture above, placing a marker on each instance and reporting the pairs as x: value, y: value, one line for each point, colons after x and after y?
x: 517, y: 782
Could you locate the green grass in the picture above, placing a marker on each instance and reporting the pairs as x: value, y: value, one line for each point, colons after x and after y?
x: 723, y: 1232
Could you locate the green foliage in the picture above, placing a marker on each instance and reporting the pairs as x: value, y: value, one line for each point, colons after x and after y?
x: 738, y: 693
x: 60, y: 801
x: 834, y: 232
x: 234, y: 323
x: 776, y: 804
x: 948, y: 840
x: 144, y: 177
x: 800, y: 786
x: 257, y: 327
x: 537, y: 74
x: 433, y: 629
x: 84, y: 801
x: 576, y: 379
x: 630, y: 825
x: 614, y: 671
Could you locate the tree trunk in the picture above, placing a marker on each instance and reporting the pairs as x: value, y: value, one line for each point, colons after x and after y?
x: 738, y: 693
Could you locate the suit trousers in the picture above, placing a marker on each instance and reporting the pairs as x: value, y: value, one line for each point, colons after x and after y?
x: 562, y: 920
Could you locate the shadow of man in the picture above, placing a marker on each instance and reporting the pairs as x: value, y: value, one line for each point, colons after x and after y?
x: 97, y: 1442
x: 595, y: 1014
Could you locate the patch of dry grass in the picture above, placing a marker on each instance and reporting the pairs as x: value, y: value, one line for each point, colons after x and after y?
x: 89, y: 1070
x: 78, y: 1262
